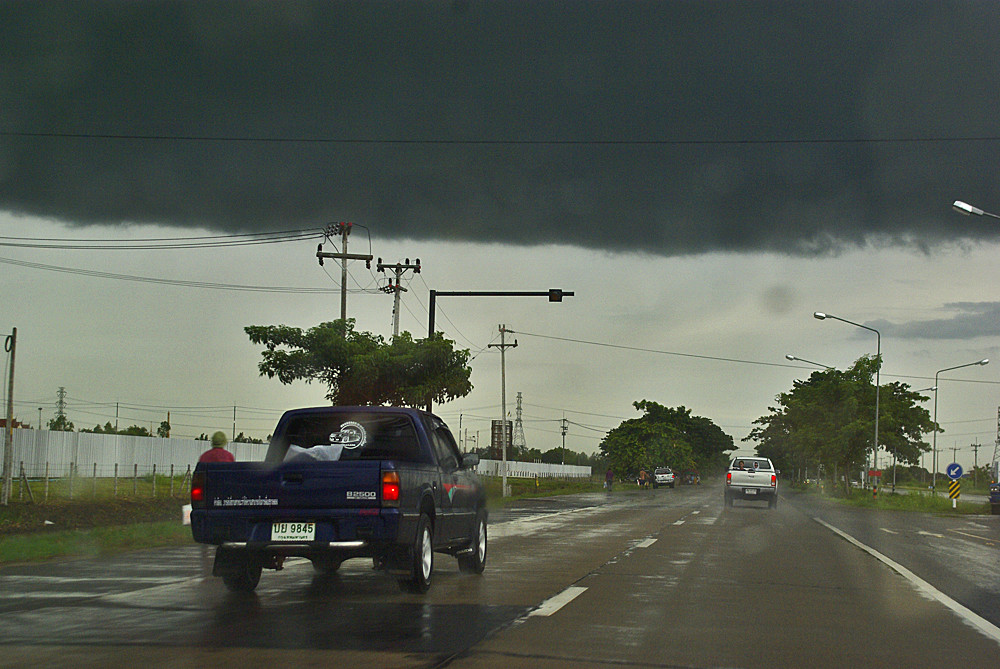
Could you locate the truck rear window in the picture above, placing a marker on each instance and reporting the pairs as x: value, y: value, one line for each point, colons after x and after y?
x: 756, y: 464
x: 345, y: 436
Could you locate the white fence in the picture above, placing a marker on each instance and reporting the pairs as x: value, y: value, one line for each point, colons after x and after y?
x: 530, y: 470
x: 58, y: 450
x: 36, y: 448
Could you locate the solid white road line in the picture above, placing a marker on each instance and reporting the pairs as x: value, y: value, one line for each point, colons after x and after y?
x: 985, y: 627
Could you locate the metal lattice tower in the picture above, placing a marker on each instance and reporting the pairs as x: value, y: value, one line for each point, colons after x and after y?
x: 996, y: 444
x: 518, y: 442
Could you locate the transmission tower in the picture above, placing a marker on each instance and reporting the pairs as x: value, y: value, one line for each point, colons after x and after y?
x: 61, y: 404
x: 518, y: 442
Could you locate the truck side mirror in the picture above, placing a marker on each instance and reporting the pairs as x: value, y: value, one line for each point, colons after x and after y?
x: 470, y: 460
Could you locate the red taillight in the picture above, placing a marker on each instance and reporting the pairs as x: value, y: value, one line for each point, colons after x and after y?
x: 390, y: 487
x: 198, y: 489
x: 774, y: 480
x: 729, y: 478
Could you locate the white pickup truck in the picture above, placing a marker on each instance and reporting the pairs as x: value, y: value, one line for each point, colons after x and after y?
x: 752, y: 478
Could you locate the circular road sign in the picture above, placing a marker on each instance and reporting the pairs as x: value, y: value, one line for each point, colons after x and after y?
x: 954, y: 471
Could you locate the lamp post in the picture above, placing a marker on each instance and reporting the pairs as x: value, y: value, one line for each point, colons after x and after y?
x: 969, y: 210
x: 810, y: 362
x: 819, y: 315
x: 934, y: 463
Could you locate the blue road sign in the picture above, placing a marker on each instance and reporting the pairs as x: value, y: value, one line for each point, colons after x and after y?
x: 954, y: 471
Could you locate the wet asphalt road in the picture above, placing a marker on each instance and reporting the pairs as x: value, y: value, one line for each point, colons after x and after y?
x: 662, y: 578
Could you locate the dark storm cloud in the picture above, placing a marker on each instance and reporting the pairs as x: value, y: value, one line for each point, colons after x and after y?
x: 966, y: 320
x: 671, y: 127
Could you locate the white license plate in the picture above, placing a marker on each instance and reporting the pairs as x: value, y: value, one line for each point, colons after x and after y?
x: 293, y: 531
x: 749, y: 491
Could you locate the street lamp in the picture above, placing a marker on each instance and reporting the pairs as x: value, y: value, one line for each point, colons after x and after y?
x: 796, y: 358
x: 969, y: 210
x: 819, y: 315
x: 934, y: 463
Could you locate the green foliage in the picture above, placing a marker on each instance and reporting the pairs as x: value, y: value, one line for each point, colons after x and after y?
x: 362, y: 368
x: 163, y: 430
x: 244, y: 439
x: 61, y: 424
x: 665, y: 436
x: 828, y: 420
x: 135, y: 431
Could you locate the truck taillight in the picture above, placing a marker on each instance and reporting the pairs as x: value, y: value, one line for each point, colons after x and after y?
x: 390, y: 489
x: 729, y: 478
x: 198, y: 489
x: 774, y: 481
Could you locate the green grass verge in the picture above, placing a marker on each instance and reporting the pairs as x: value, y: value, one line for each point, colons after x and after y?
x: 92, y: 542
x: 922, y: 502
x: 529, y: 488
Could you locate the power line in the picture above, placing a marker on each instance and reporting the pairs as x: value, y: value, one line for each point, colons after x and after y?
x: 264, y: 139
x: 170, y: 282
x: 161, y: 243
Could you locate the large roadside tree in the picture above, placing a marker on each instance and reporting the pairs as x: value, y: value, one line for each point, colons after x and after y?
x: 360, y: 368
x: 828, y: 420
x: 665, y: 436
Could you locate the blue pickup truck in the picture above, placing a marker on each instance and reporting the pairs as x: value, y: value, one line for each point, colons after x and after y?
x: 345, y: 482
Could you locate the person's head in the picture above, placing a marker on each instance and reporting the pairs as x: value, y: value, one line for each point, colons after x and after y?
x: 219, y: 439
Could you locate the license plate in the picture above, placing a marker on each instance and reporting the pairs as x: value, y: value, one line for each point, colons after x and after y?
x: 293, y: 531
x: 749, y: 491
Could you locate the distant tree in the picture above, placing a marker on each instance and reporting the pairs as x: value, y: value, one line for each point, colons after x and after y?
x: 163, y: 430
x: 243, y: 439
x: 828, y: 420
x: 61, y: 424
x: 202, y: 437
x: 135, y: 431
x: 362, y: 368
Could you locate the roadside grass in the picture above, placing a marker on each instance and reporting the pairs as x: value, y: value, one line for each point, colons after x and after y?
x: 529, y: 488
x: 918, y: 501
x: 92, y: 542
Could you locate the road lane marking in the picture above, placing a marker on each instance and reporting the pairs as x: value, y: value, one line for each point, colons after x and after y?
x: 553, y: 604
x: 988, y: 540
x: 679, y: 522
x: 646, y: 543
x: 931, y: 534
x: 985, y: 627
x: 887, y: 530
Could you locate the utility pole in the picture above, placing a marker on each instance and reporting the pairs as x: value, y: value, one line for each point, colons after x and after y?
x: 564, y: 428
x: 396, y: 289
x: 344, y: 230
x: 503, y: 346
x: 8, y: 442
x: 975, y: 452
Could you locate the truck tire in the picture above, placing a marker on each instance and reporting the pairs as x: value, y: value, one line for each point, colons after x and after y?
x: 244, y: 576
x: 475, y: 562
x: 421, y: 559
x: 773, y: 502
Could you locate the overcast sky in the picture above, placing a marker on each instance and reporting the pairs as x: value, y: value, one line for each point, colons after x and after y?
x: 704, y: 176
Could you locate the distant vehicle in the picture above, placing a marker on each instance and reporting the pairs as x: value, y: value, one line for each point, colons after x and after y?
x: 995, y: 499
x: 663, y: 476
x: 344, y: 482
x: 752, y: 478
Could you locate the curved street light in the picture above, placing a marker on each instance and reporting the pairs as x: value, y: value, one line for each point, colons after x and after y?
x: 934, y: 463
x: 798, y: 359
x: 819, y: 315
x: 969, y: 210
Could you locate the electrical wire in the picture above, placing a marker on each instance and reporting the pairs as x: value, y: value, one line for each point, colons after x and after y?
x: 162, y: 243
x: 170, y: 282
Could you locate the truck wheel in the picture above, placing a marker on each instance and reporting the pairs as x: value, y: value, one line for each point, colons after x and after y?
x: 773, y: 502
x: 244, y: 576
x: 422, y: 559
x: 475, y: 562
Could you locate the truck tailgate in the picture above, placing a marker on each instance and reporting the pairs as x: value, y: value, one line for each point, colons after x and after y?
x: 309, y: 485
